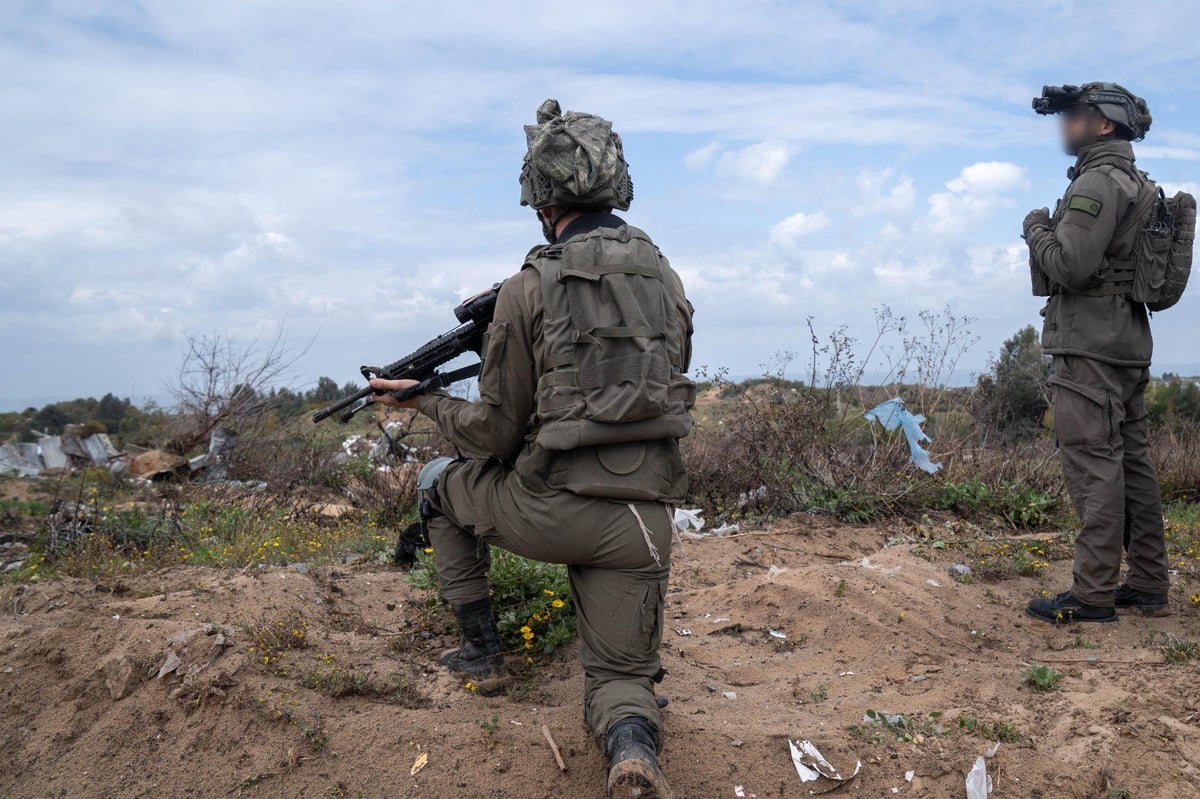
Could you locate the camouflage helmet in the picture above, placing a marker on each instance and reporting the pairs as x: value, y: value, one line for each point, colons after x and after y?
x: 1120, y: 105
x: 574, y: 160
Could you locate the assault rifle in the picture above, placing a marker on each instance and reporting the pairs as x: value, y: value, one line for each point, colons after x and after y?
x: 475, y: 314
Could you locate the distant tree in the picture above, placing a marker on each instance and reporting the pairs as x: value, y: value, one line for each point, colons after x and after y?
x: 326, y: 391
x: 1173, y: 403
x: 1013, y: 395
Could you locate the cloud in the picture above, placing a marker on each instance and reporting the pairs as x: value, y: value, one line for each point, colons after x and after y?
x: 786, y: 232
x: 883, y: 192
x: 977, y: 191
x: 758, y: 163
x: 701, y: 157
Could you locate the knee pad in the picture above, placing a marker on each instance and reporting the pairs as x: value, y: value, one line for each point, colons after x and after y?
x: 427, y: 479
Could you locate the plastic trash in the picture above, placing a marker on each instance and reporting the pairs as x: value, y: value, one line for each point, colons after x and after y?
x: 893, y: 414
x: 688, y: 520
x: 979, y: 783
x: 811, y: 765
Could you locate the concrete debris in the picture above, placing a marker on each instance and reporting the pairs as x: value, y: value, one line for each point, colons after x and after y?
x: 84, y: 445
x: 157, y: 464
x: 382, y: 452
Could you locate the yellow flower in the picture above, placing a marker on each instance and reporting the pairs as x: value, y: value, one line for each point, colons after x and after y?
x: 547, y: 592
x: 526, y: 629
x: 428, y: 550
x: 527, y: 636
x: 558, y: 603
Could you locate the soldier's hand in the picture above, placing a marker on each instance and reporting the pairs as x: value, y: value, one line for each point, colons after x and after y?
x: 390, y: 386
x: 1039, y: 217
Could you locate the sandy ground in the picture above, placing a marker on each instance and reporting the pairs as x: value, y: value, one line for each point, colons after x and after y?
x: 898, y: 636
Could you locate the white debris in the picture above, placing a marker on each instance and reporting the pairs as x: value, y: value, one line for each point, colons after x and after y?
x: 778, y: 634
x: 811, y: 765
x: 979, y: 782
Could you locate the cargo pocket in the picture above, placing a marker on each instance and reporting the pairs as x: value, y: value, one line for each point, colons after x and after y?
x: 491, y: 378
x: 1084, y: 416
x: 648, y: 629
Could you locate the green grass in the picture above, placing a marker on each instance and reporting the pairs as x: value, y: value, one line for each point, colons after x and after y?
x: 1041, y: 678
x: 532, y: 599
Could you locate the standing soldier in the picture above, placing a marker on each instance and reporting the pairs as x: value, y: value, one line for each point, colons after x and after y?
x: 1085, y: 258
x: 572, y: 448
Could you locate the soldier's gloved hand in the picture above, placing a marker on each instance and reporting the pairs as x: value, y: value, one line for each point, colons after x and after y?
x: 1039, y: 217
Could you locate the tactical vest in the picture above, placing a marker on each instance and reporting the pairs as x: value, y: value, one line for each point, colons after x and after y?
x: 613, y: 398
x: 1157, y: 269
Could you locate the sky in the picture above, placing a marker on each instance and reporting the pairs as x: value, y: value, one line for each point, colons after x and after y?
x: 348, y: 171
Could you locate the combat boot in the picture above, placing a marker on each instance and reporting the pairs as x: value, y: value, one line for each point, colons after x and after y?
x: 633, y: 771
x: 1126, y: 597
x: 479, y: 656
x: 1065, y: 608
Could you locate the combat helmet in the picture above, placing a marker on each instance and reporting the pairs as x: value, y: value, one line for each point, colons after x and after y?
x: 574, y: 160
x: 1112, y: 100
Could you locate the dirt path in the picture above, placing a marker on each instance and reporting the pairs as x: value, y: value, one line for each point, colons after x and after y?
x: 352, y: 711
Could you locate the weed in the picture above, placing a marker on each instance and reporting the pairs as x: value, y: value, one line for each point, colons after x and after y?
x: 819, y: 695
x: 840, y: 591
x: 270, y: 636
x: 532, y: 599
x: 1041, y: 678
x: 489, y: 726
x: 878, y: 725
x: 1178, y: 650
x: 990, y: 730
x: 338, y: 683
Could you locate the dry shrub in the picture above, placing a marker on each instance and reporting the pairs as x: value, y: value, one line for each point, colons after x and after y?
x: 1176, y: 453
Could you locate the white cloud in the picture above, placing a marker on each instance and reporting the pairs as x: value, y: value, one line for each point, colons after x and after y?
x: 989, y: 177
x: 883, y: 192
x: 758, y: 163
x: 701, y: 157
x: 1189, y: 186
x: 973, y: 195
x: 787, y: 231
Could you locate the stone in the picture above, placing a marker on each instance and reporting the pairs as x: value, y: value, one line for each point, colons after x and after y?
x: 121, y: 677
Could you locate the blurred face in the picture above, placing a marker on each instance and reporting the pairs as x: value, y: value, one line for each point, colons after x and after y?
x: 1082, y: 125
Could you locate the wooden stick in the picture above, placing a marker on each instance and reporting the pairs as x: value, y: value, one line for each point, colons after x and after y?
x: 554, y: 748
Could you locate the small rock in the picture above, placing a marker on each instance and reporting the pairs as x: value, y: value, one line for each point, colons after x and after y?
x: 959, y: 569
x: 120, y: 677
x: 502, y: 767
x: 737, y: 742
x: 730, y: 695
x: 169, y: 665
x: 352, y: 559
x: 299, y: 568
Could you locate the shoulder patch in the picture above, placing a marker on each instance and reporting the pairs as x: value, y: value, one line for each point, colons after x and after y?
x: 1086, y: 204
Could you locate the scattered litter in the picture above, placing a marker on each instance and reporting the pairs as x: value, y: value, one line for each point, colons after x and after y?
x: 730, y: 694
x: 778, y: 634
x: 740, y: 792
x: 893, y: 414
x: 116, y: 617
x: 811, y: 765
x: 846, y: 674
x: 908, y: 776
x: 888, y: 570
x: 992, y: 750
x: 918, y: 678
x: 750, y: 498
x: 688, y: 520
x: 737, y: 743
x: 421, y: 762
x: 725, y: 530
x: 723, y: 618
x: 934, y: 583
x: 979, y: 782
x: 682, y: 631
x: 775, y: 571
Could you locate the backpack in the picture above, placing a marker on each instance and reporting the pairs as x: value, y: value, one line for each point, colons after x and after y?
x: 1162, y: 250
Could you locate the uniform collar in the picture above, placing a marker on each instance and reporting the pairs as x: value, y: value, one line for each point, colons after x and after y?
x: 587, y: 222
x: 1093, y: 154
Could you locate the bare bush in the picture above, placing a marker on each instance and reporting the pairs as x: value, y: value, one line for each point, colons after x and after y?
x: 223, y: 382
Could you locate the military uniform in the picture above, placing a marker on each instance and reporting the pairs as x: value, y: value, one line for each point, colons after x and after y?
x: 571, y: 454
x: 617, y: 550
x: 1101, y: 346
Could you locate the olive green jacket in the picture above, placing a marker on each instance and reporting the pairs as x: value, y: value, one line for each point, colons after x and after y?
x: 1073, y: 252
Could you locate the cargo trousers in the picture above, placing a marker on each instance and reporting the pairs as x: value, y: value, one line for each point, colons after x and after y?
x: 618, y: 561
x: 1100, y: 422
